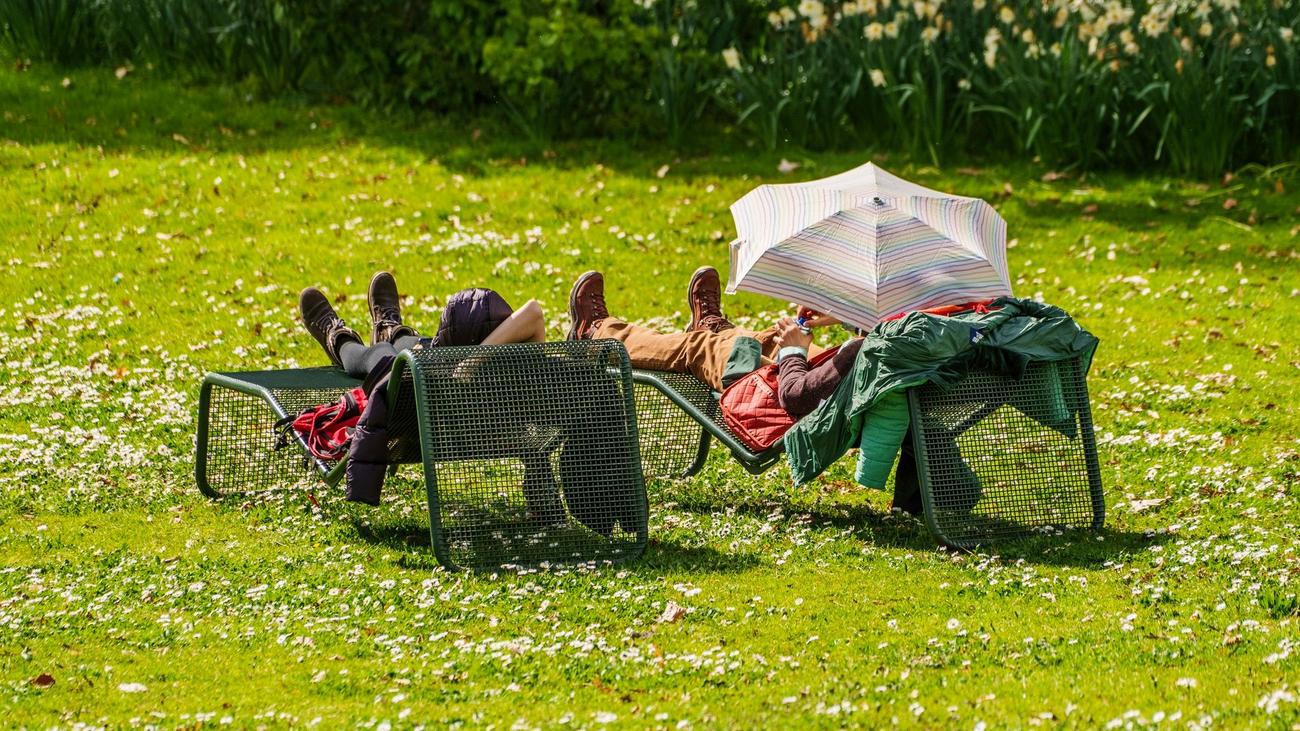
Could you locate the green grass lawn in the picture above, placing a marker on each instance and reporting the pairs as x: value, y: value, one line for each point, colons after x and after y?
x: 151, y: 233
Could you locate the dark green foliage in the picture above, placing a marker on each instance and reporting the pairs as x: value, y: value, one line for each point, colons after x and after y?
x: 51, y: 30
x: 568, y: 67
x: 1091, y: 85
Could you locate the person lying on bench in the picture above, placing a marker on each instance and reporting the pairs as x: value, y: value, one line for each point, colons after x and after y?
x: 710, y: 348
x: 719, y: 353
x: 476, y: 316
x: 471, y: 317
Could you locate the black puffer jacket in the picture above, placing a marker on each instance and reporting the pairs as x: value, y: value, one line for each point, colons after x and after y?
x: 368, y: 456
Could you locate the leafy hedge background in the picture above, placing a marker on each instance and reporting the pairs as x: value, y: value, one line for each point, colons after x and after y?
x: 1197, y: 86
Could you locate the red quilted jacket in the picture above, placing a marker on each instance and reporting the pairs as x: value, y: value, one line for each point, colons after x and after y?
x: 752, y: 406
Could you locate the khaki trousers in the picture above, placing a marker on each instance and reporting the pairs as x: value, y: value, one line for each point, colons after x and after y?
x: 701, y: 353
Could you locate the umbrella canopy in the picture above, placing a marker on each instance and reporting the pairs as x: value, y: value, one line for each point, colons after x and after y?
x: 866, y: 244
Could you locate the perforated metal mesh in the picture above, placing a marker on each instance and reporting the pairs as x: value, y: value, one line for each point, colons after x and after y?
x: 1004, y: 457
x: 530, y: 453
x: 239, y: 452
x: 697, y: 404
x: 673, y: 444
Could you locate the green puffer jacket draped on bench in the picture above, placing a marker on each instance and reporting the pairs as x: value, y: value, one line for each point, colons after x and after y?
x: 868, y: 408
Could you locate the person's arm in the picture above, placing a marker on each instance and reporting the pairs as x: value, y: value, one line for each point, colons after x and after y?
x: 802, y: 387
x: 526, y: 325
x: 792, y: 368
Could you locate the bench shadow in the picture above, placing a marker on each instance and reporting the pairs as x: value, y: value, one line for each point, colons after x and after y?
x: 669, y: 557
x: 1079, y: 548
x: 893, y: 529
x: 409, y: 539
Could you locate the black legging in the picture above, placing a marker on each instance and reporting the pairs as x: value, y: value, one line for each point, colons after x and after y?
x: 359, y: 360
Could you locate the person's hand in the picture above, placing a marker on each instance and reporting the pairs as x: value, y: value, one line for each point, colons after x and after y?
x: 813, y: 318
x: 789, y: 334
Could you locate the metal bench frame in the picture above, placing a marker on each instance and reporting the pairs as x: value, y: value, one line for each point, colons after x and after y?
x: 1043, y: 497
x: 694, y: 398
x: 677, y: 417
x: 234, y: 438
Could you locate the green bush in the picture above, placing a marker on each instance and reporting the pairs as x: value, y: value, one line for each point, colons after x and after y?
x: 568, y: 67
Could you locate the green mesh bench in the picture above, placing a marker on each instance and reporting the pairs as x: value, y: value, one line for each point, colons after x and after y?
x: 997, y: 457
x: 678, y: 416
x: 529, y: 452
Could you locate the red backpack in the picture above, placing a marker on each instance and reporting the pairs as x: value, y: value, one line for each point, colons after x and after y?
x: 752, y: 406
x: 326, y: 429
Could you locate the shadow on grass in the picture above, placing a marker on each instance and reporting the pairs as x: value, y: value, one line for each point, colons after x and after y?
x: 863, y: 521
x: 409, y: 539
x: 150, y: 113
x: 144, y: 114
x: 1076, y: 548
x: 676, y: 558
x: 1079, y: 548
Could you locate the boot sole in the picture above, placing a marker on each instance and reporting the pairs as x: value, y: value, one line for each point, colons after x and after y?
x: 302, y: 316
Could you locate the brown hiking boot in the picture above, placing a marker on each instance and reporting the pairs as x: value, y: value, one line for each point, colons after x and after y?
x: 324, y: 323
x: 386, y: 310
x: 704, y: 294
x: 587, y: 305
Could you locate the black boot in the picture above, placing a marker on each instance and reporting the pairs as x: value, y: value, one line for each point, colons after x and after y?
x: 324, y: 323
x: 386, y: 310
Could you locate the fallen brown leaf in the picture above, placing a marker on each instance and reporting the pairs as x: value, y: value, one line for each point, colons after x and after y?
x: 1138, y: 506
x: 672, y: 613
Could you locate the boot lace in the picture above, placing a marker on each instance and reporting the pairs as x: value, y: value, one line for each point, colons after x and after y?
x: 597, y: 300
x: 715, y: 323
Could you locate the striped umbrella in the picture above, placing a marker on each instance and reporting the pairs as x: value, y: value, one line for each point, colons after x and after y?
x: 866, y: 244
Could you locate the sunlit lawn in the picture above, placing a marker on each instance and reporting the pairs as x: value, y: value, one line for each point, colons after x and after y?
x: 151, y: 233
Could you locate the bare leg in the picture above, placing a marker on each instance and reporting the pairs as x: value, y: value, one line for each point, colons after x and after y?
x: 526, y: 325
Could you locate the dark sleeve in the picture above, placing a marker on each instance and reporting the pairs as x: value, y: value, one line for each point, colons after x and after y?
x: 801, y: 387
